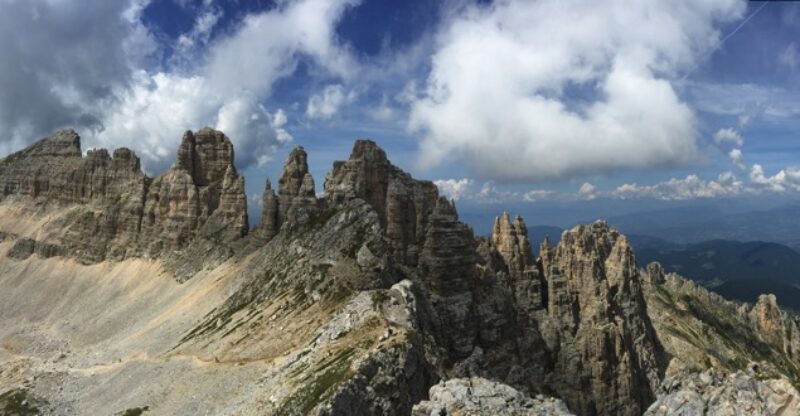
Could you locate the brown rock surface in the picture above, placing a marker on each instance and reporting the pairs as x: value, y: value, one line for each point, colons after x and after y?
x: 403, y: 203
x: 114, y: 211
x: 606, y: 350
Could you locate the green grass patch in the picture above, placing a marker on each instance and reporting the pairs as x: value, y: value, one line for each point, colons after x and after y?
x: 17, y: 403
x: 319, y: 384
x: 136, y: 411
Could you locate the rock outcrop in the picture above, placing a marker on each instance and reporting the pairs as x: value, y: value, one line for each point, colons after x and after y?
x: 700, y: 330
x: 269, y: 225
x: 479, y: 397
x: 768, y: 319
x: 54, y: 169
x: 403, y: 203
x: 202, y: 189
x: 115, y: 211
x: 296, y: 200
x: 607, y: 355
x: 714, y: 393
x: 511, y: 242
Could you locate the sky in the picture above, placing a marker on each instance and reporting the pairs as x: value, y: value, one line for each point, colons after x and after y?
x: 548, y: 107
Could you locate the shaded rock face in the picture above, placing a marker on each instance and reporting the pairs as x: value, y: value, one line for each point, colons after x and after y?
x: 572, y: 323
x: 403, y: 203
x: 477, y: 396
x: 296, y: 199
x: 447, y: 269
x: 269, y: 213
x: 115, y: 211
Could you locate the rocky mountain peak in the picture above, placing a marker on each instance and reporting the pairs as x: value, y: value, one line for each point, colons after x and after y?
x: 269, y: 212
x: 403, y: 204
x: 573, y: 323
x: 595, y: 293
x: 511, y: 240
x: 296, y: 179
x: 368, y: 150
x: 206, y: 155
x: 767, y: 317
x: 63, y: 143
x: 296, y: 197
x: 126, y: 159
x: 201, y: 188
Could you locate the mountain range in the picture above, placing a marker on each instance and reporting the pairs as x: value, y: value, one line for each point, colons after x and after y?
x: 126, y: 294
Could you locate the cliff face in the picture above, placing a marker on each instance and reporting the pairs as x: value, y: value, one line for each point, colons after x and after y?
x: 115, y: 211
x: 597, y: 323
x: 403, y: 204
x: 296, y: 196
x: 201, y: 191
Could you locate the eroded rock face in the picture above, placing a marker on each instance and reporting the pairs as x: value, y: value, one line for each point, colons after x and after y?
x: 269, y: 212
x: 478, y: 397
x: 296, y: 186
x: 768, y: 318
x: 296, y: 199
x: 605, y: 349
x: 53, y: 168
x: 403, y: 203
x: 202, y: 187
x: 130, y: 214
x: 572, y: 323
x: 447, y: 269
x: 511, y: 242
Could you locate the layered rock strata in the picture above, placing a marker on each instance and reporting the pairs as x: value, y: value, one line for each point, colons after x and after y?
x: 403, y: 203
x: 115, y: 211
x: 296, y: 198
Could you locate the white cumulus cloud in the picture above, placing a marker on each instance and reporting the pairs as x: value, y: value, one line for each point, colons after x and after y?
x: 454, y: 188
x: 787, y: 179
x: 525, y: 90
x: 728, y: 136
x: 737, y: 158
x: 587, y: 191
x: 327, y: 103
x: 690, y: 187
x: 98, y: 80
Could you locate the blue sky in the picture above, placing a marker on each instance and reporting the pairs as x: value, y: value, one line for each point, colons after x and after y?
x: 546, y: 107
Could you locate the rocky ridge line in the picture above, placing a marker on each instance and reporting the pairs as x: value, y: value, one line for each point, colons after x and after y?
x: 579, y: 322
x: 115, y: 211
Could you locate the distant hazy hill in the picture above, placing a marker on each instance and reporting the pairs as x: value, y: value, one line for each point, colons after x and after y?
x: 720, y: 260
x: 537, y: 233
x: 639, y: 242
x: 695, y: 224
x: 748, y: 290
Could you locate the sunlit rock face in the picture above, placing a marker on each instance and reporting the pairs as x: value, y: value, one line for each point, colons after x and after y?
x: 118, y: 211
